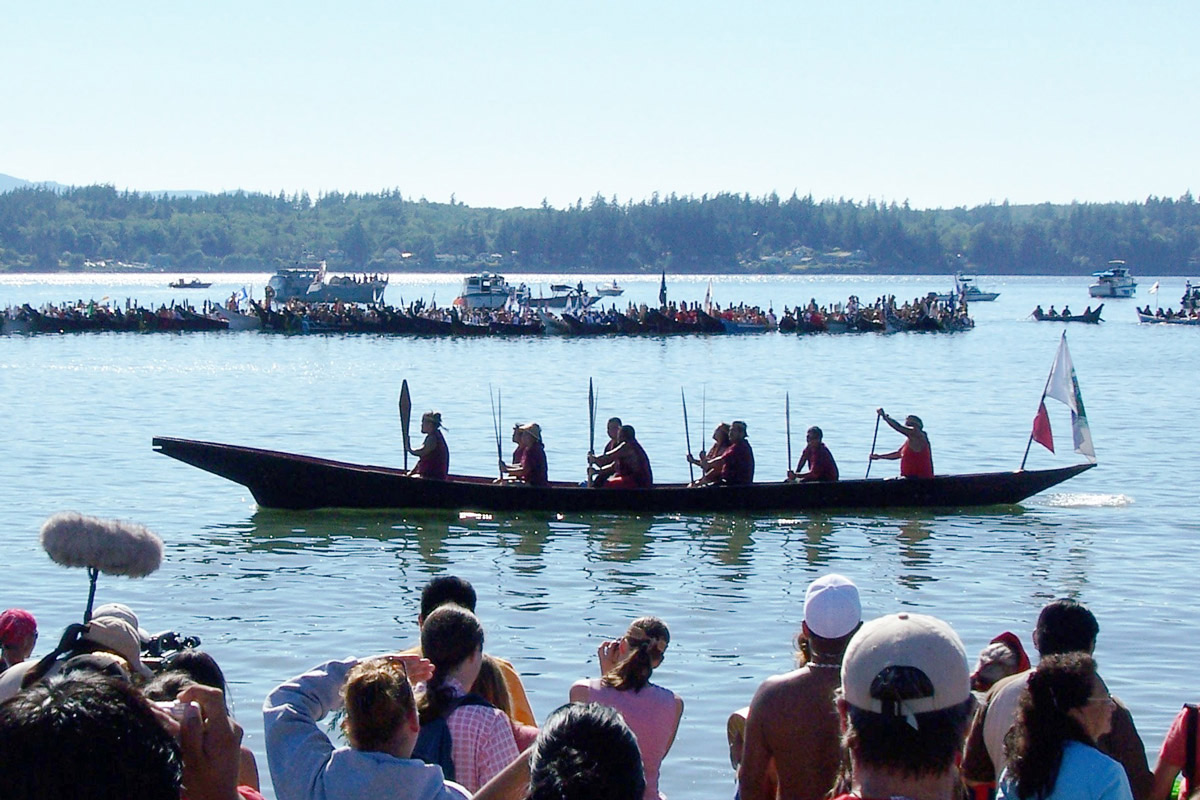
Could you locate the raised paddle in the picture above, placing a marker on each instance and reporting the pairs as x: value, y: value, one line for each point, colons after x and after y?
x: 873, y: 438
x: 591, y: 419
x: 687, y: 434
x: 405, y: 413
x: 787, y: 415
x: 496, y: 428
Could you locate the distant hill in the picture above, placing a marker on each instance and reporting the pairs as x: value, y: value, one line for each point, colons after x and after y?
x: 8, y: 183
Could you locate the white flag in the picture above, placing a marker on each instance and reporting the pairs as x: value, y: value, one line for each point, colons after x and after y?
x: 708, y: 307
x: 1064, y: 387
x: 1154, y: 288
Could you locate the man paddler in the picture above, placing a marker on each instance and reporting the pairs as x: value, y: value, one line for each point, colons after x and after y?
x: 614, y: 432
x: 625, y: 466
x: 735, y: 465
x: 916, y: 458
x: 821, y: 466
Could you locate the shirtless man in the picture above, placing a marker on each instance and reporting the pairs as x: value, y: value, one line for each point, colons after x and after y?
x: 916, y: 457
x: 821, y: 466
x: 792, y: 735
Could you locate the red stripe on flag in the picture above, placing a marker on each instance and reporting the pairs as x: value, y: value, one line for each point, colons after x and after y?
x: 1041, y: 428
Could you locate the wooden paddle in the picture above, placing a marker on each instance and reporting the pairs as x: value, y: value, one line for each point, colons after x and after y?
x: 873, y: 438
x: 405, y: 413
x: 496, y: 428
x: 687, y: 434
x: 787, y: 414
x: 591, y: 419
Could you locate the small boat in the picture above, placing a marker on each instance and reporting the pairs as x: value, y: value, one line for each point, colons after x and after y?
x: 1091, y: 316
x: 485, y: 290
x: 610, y: 289
x: 1113, y: 282
x: 964, y: 287
x: 194, y: 283
x: 1174, y: 319
x: 237, y: 321
x: 298, y: 482
x: 574, y: 298
x: 314, y: 286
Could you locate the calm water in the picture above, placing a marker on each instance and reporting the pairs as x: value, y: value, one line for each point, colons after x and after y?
x: 273, y: 593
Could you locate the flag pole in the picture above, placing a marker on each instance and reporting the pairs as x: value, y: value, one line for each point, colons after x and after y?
x: 1045, y: 388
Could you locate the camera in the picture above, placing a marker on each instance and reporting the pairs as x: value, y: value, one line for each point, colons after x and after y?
x: 176, y: 708
x: 169, y: 642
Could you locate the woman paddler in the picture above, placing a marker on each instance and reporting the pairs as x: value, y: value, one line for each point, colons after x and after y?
x: 433, y: 456
x: 916, y: 458
x: 531, y: 466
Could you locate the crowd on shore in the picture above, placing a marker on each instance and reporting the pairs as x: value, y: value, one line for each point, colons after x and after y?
x: 887, y: 707
x: 421, y: 318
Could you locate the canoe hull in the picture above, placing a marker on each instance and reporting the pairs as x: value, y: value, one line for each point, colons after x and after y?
x: 297, y: 482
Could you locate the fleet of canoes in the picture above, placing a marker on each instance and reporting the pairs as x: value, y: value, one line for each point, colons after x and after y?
x: 418, y: 319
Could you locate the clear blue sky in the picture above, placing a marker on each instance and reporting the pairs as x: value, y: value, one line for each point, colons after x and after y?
x: 506, y: 104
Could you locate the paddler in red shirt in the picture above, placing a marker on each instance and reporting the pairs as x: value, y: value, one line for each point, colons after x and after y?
x: 614, y: 433
x: 916, y: 457
x: 531, y: 468
x: 433, y: 456
x: 626, y: 466
x: 735, y: 465
x: 821, y: 466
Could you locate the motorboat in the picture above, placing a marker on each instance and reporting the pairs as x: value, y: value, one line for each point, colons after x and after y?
x: 194, y: 283
x: 613, y: 289
x: 1113, y: 282
x: 488, y: 290
x: 315, y: 286
x: 965, y: 288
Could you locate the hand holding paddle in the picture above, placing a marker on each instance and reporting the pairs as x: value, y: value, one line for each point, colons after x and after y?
x: 405, y: 413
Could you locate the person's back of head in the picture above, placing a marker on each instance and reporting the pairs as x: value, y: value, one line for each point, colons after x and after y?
x: 86, y: 738
x: 832, y: 614
x: 200, y: 666
x: 450, y: 636
x: 378, y: 699
x: 906, y: 694
x: 1061, y: 683
x: 585, y: 751
x: 447, y: 589
x: 646, y: 641
x: 1065, y: 626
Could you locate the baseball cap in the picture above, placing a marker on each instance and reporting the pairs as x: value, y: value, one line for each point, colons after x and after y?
x: 119, y: 637
x: 831, y: 606
x: 907, y: 640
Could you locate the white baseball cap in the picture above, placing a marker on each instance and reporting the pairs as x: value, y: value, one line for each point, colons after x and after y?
x: 831, y: 606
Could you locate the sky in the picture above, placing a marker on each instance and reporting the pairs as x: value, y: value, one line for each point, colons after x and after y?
x: 939, y: 104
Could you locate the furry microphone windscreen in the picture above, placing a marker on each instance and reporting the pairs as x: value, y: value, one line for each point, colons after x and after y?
x: 112, y: 546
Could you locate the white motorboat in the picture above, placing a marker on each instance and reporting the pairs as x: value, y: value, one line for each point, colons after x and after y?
x: 487, y: 290
x: 314, y: 286
x: 1113, y: 282
x: 613, y: 289
x: 236, y: 320
x: 964, y: 287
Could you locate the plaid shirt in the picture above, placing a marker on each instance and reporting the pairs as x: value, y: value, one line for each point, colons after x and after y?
x: 481, y: 742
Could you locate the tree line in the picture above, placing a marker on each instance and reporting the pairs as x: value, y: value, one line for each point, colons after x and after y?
x: 45, y: 229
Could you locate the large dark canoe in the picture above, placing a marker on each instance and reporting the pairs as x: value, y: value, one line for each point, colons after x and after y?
x: 286, y: 480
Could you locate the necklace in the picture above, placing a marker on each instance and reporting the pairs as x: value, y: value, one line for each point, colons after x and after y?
x: 815, y: 665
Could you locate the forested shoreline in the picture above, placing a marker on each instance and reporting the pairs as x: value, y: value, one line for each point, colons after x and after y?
x: 43, y: 229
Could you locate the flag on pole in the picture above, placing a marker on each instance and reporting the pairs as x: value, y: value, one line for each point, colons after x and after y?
x: 662, y: 290
x: 1154, y: 288
x: 1064, y: 387
x: 1041, y: 428
x: 708, y: 299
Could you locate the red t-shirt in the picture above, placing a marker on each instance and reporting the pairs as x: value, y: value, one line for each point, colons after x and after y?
x: 1174, y: 747
x: 820, y: 461
x: 634, y: 469
x: 738, y: 467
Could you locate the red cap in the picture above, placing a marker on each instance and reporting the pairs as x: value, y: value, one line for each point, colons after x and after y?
x: 16, y: 623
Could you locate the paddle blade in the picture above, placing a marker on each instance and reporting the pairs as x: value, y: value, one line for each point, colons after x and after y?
x: 405, y: 414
